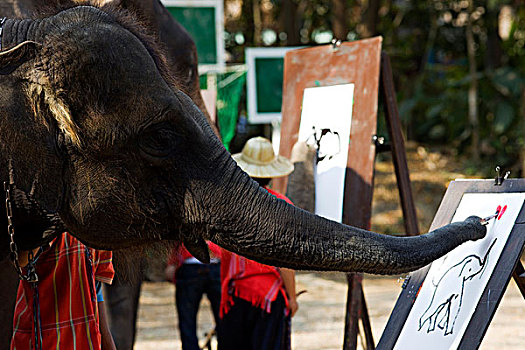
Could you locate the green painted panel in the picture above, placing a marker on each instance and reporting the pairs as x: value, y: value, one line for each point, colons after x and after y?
x: 200, y: 23
x: 269, y: 82
x: 203, y: 81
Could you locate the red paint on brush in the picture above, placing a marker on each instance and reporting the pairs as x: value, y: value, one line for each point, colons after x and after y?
x: 502, y: 211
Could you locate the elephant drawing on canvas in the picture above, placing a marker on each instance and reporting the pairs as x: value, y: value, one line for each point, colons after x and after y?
x: 447, y: 298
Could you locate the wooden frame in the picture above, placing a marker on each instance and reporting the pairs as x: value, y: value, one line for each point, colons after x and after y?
x: 251, y: 55
x: 363, y: 64
x: 355, y: 62
x: 359, y: 63
x: 506, y: 267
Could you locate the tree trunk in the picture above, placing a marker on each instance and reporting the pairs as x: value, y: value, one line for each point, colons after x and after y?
x: 493, y: 52
x: 369, y: 26
x: 257, y: 23
x: 248, y: 27
x: 288, y: 23
x: 473, y: 87
x: 339, y: 27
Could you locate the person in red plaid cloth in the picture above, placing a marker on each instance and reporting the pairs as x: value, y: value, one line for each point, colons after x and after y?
x: 258, y: 300
x: 64, y: 309
x: 192, y: 280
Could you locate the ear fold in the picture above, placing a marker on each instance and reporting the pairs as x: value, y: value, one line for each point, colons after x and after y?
x: 13, y: 58
x: 115, y: 3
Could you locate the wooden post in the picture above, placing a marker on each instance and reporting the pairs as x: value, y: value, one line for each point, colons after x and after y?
x: 398, y: 146
x: 353, y: 310
x: 367, y: 327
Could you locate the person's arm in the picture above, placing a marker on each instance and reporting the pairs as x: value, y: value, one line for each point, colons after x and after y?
x: 103, y: 324
x: 288, y: 277
x: 105, y: 333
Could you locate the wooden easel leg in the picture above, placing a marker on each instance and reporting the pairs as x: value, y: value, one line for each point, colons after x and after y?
x: 386, y: 85
x: 520, y: 281
x: 353, y: 302
x: 356, y: 306
x: 357, y: 309
x: 367, y: 327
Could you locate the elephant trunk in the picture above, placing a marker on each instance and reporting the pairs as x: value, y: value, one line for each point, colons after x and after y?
x: 266, y: 229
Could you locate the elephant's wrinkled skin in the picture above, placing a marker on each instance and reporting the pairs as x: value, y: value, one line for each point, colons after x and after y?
x: 176, y: 44
x: 181, y: 55
x: 127, y: 158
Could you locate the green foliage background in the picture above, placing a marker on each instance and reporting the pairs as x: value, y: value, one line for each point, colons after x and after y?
x: 427, y: 43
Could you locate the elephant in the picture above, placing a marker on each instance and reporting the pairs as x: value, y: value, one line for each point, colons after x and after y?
x: 101, y: 135
x: 106, y: 142
x: 301, y: 184
x: 181, y: 56
x: 447, y: 298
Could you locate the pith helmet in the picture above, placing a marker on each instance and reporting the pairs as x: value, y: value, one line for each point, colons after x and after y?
x: 258, y: 159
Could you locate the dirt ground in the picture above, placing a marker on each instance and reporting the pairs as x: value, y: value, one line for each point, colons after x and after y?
x: 319, y: 323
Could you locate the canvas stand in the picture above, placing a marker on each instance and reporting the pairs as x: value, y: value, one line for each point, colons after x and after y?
x: 360, y: 63
x: 470, y: 331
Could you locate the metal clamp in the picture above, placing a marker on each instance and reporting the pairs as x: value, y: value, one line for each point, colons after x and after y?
x: 336, y: 43
x: 381, y: 144
x: 405, y: 282
x: 498, y: 180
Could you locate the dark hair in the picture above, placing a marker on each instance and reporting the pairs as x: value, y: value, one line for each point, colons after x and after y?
x: 262, y: 181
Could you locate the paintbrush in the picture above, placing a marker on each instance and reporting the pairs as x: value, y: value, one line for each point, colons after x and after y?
x: 485, y: 221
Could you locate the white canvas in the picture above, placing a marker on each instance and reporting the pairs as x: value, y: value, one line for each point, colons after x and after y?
x: 328, y: 108
x: 454, y: 284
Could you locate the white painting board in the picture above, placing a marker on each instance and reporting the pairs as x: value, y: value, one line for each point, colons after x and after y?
x: 325, y: 121
x: 454, y: 284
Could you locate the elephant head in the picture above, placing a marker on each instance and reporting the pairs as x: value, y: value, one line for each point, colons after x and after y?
x: 106, y: 138
x: 174, y: 41
x: 176, y: 44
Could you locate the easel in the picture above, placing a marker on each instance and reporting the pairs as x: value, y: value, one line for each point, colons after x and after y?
x: 356, y: 304
x: 509, y: 265
x: 361, y: 63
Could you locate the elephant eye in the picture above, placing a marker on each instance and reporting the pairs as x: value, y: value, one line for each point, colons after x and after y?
x: 158, y: 141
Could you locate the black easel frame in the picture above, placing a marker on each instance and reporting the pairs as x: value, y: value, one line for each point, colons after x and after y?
x: 508, y: 266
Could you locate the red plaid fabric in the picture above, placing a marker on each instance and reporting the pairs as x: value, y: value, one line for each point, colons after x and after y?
x: 256, y: 283
x: 67, y: 271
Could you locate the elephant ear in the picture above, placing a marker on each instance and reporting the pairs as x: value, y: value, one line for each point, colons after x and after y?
x: 11, y: 59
